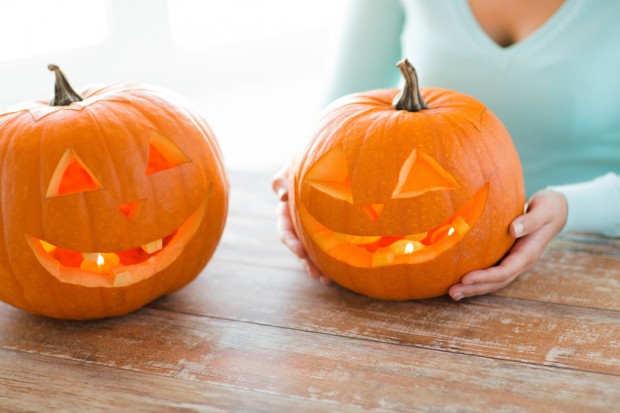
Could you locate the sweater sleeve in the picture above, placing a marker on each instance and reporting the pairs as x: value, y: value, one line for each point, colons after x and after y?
x: 368, y: 49
x: 593, y: 206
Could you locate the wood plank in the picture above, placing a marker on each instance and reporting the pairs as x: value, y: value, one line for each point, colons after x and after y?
x: 35, y: 383
x: 496, y: 327
x: 254, y: 240
x: 250, y: 235
x: 251, y: 194
x: 577, y: 269
x: 319, y: 367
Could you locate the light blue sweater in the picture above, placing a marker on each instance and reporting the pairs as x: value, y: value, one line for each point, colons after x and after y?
x: 557, y: 91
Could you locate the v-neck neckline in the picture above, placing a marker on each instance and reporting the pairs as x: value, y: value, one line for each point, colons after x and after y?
x: 480, y: 35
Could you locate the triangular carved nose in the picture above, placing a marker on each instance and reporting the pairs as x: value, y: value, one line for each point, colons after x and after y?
x: 374, y: 211
x: 131, y: 209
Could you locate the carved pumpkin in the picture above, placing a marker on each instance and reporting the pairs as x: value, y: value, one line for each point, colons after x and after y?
x: 399, y: 201
x: 109, y: 198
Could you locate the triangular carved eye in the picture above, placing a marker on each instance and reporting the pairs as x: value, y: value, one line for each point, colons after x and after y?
x: 420, y: 174
x: 163, y: 154
x: 330, y: 174
x: 71, y: 176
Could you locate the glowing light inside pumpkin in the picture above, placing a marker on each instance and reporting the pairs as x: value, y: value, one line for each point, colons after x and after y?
x: 409, y: 248
x: 47, y: 246
x: 71, y: 176
x: 331, y: 176
x: 371, y: 251
x: 373, y: 211
x: 119, y: 268
x: 131, y: 209
x: 100, y: 263
x: 106, y: 262
x: 420, y: 174
x: 163, y: 154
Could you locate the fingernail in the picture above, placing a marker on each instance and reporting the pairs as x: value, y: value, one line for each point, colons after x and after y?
x: 282, y: 193
x: 324, y: 280
x: 518, y: 229
x: 457, y: 296
x: 467, y: 282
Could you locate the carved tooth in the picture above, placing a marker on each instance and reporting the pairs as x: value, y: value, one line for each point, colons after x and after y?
x: 326, y: 240
x: 121, y: 279
x: 461, y: 226
x: 47, y: 246
x: 383, y: 257
x: 90, y: 256
x: 152, y: 247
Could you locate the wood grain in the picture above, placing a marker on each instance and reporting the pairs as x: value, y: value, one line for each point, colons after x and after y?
x: 577, y: 273
x: 495, y: 327
x: 320, y: 367
x: 36, y: 383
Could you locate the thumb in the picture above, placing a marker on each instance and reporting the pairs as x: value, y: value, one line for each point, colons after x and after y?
x: 540, y: 211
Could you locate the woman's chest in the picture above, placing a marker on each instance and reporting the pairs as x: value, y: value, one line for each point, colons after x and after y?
x: 508, y: 22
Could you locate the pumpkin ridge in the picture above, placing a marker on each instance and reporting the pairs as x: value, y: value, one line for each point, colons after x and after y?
x: 103, y: 139
x: 6, y: 143
x: 464, y: 148
x: 353, y: 116
x: 206, y: 133
x: 96, y: 123
x: 370, y: 132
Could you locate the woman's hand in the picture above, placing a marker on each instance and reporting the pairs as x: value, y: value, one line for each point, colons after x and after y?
x: 545, y: 216
x: 285, y: 225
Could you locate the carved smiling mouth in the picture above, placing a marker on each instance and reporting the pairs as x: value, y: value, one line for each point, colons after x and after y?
x: 381, y: 251
x: 117, y: 268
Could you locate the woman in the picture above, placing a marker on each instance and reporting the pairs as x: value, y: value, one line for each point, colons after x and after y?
x: 549, y: 69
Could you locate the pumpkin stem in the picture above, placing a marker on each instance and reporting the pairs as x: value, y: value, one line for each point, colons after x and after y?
x: 409, y: 98
x: 64, y: 95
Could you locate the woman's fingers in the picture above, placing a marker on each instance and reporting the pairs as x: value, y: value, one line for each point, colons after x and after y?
x: 289, y: 238
x: 522, y: 258
x: 545, y: 207
x: 287, y: 232
x: 545, y: 216
x: 489, y: 280
x: 291, y: 241
x: 314, y: 271
x: 284, y: 224
x: 474, y: 290
x: 279, y: 184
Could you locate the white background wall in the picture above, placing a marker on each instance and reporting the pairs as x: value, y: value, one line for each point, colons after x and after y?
x: 256, y: 69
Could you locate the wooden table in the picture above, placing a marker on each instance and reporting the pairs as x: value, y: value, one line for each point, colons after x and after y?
x: 253, y: 333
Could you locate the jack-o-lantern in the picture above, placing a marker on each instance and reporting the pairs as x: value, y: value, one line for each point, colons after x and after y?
x: 398, y: 195
x: 109, y: 198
